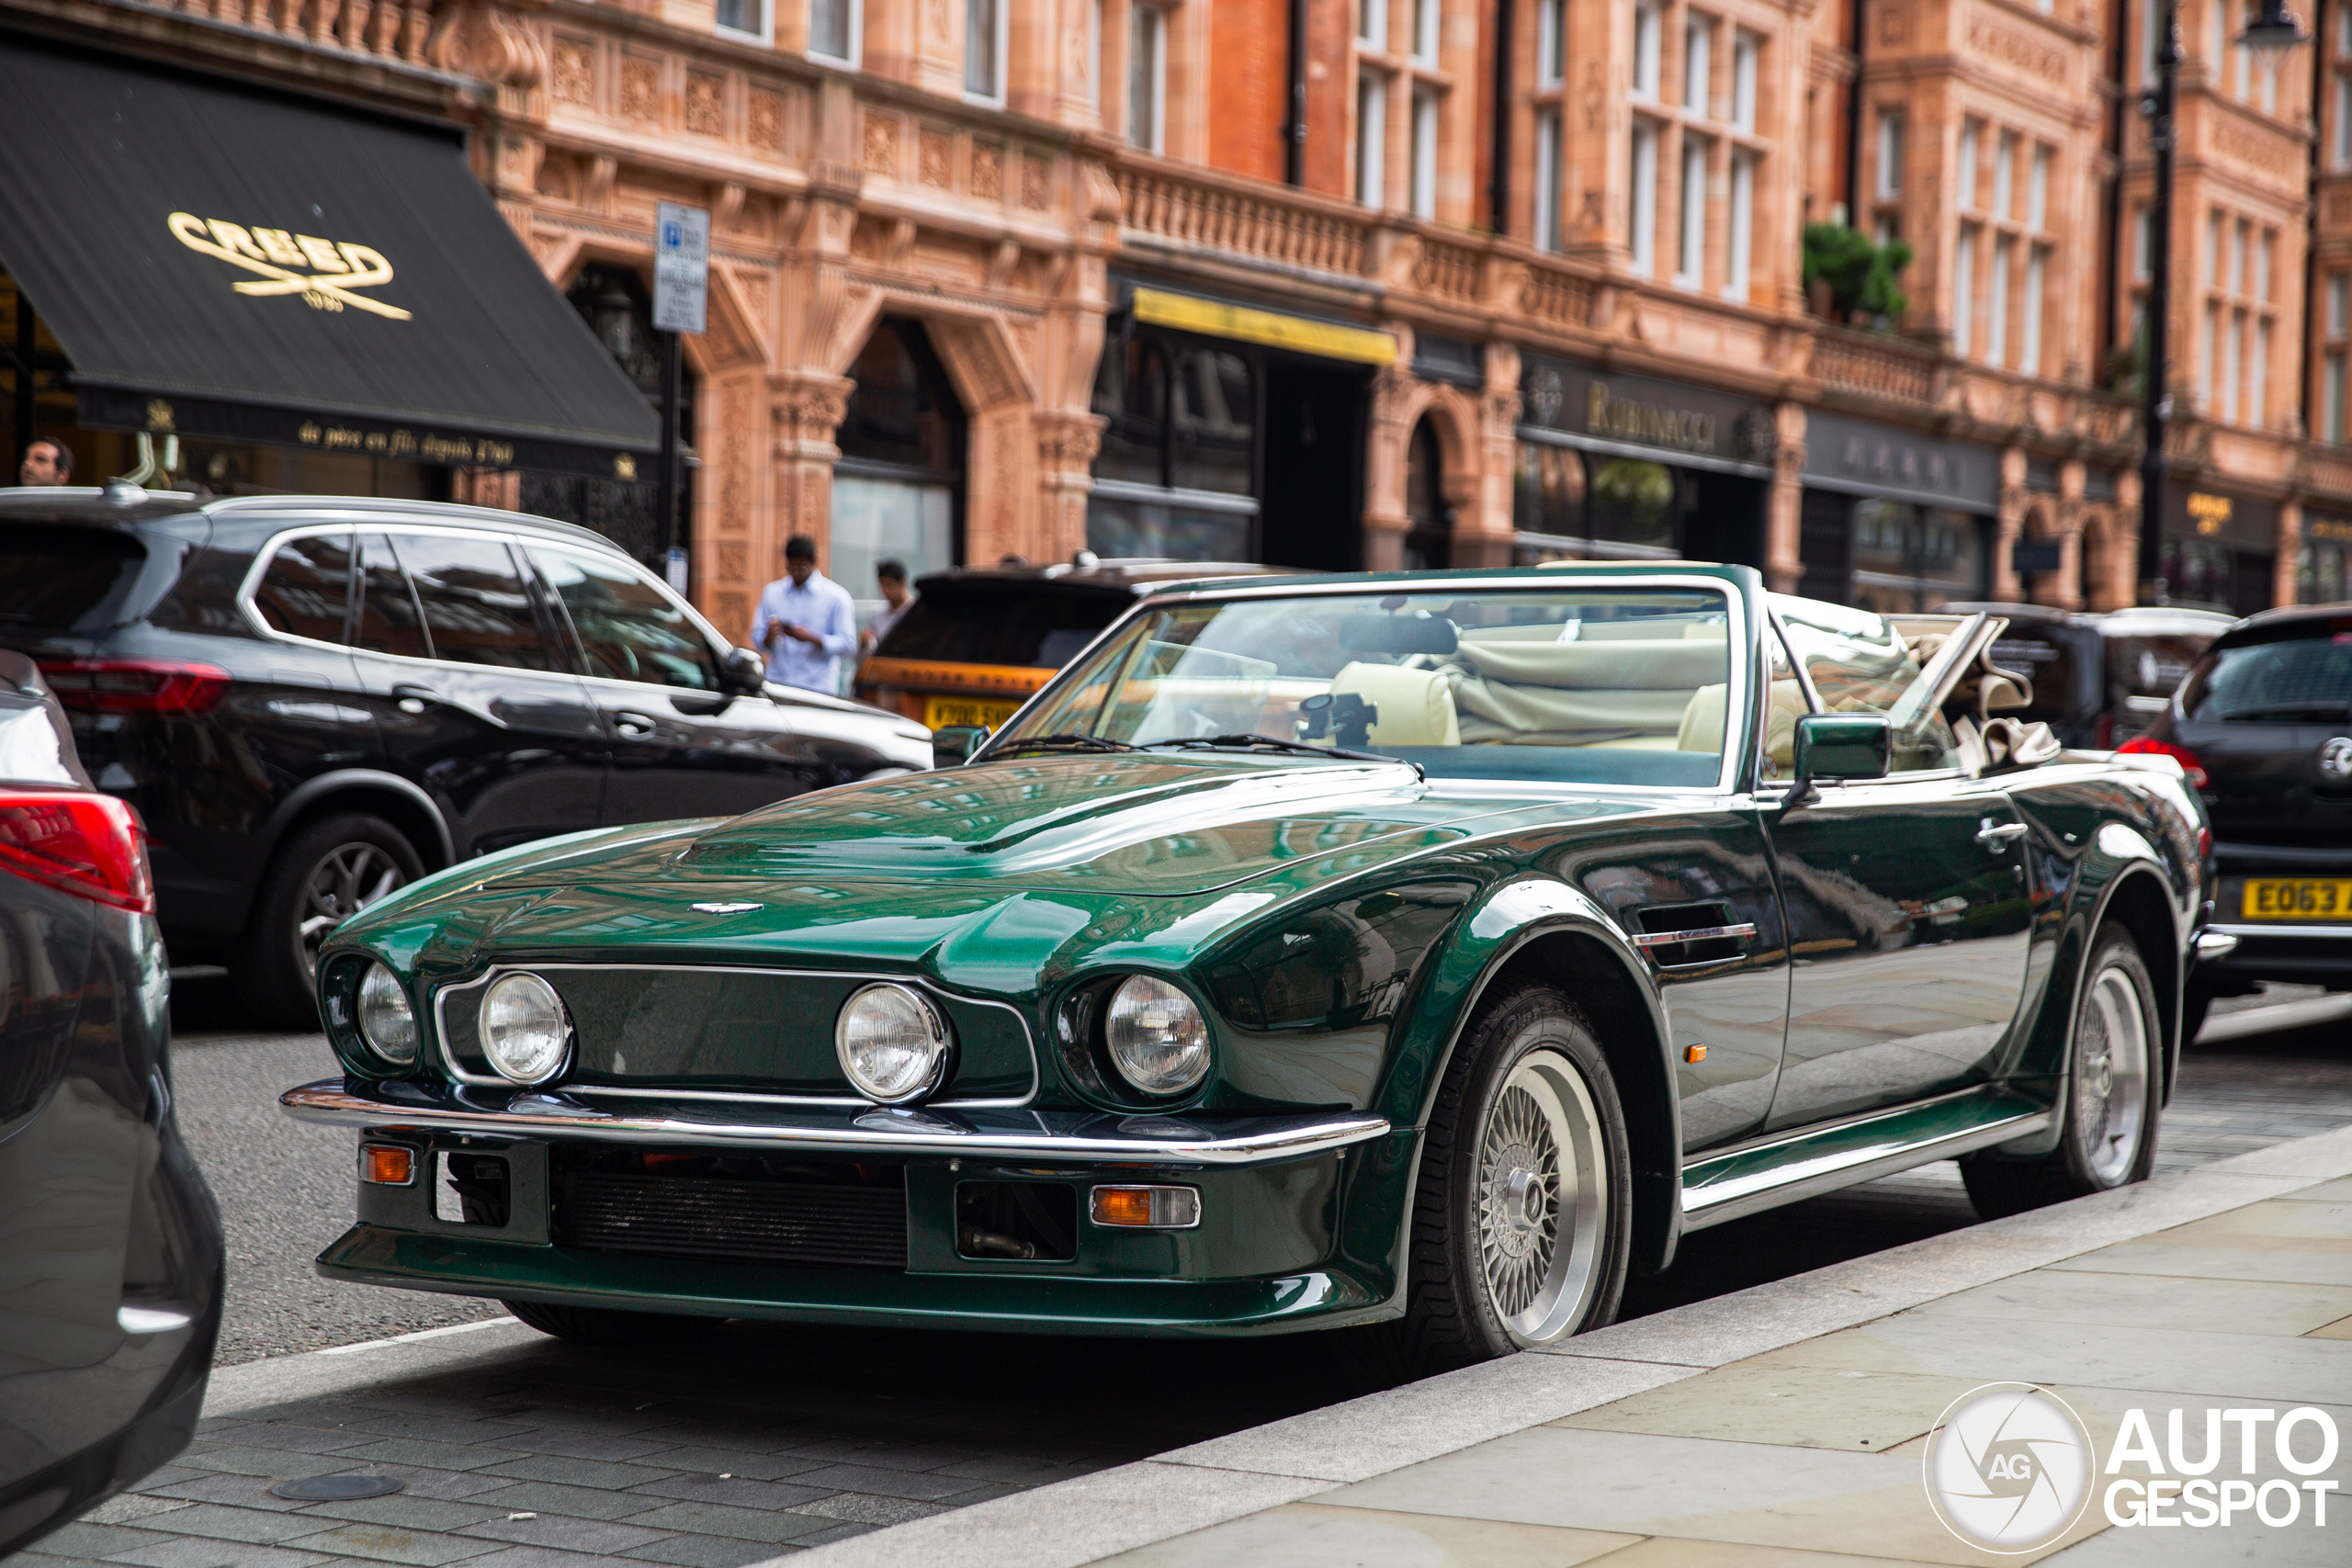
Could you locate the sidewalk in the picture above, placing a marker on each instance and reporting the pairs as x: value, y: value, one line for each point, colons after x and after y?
x: 1783, y: 1424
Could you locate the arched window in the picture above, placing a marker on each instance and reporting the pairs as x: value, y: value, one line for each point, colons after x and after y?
x: 1429, y: 539
x: 899, y: 488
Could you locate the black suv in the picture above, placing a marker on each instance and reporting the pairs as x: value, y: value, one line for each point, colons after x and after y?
x: 2100, y: 678
x: 2263, y: 726
x: 315, y: 700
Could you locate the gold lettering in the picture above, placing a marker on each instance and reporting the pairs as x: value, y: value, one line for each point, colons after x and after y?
x: 278, y: 246
x: 233, y: 237
x: 1684, y: 430
x: 624, y: 468
x: 2340, y: 532
x: 308, y: 434
x: 377, y: 443
x: 404, y: 444
x: 342, y: 440
x: 2210, y: 513
x: 321, y: 253
x: 497, y: 454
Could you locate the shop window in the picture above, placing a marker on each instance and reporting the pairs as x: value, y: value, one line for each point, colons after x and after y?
x: 2322, y: 573
x: 898, y: 487
x: 1570, y: 503
x: 1908, y: 560
x: 1147, y: 77
x: 1175, y: 474
x: 744, y: 19
x: 984, y: 41
x: 833, y: 29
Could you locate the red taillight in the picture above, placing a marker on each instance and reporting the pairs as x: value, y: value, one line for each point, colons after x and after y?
x: 136, y: 686
x: 2204, y: 843
x: 2151, y: 747
x: 87, y: 844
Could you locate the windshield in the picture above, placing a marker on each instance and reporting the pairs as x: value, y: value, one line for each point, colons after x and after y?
x: 2304, y: 680
x: 1593, y: 684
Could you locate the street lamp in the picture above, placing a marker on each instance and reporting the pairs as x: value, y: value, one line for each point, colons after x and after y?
x: 2268, y: 34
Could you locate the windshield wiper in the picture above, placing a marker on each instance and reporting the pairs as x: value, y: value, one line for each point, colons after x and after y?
x: 1055, y: 742
x: 2265, y: 710
x: 1278, y: 744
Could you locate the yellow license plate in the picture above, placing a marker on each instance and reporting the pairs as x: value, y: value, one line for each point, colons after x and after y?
x: 2298, y: 899
x: 940, y: 712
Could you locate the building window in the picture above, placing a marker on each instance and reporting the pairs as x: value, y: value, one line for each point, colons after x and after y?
x: 2339, y: 305
x: 1698, y: 44
x: 1890, y: 155
x: 1691, y: 264
x: 744, y: 19
x: 1372, y: 138
x: 1745, y: 51
x: 2258, y: 385
x: 2004, y: 177
x: 1372, y: 25
x: 2217, y: 36
x: 1645, y: 199
x: 1551, y: 44
x: 1963, y: 293
x: 834, y: 28
x: 1547, y: 180
x: 2331, y: 394
x: 2029, y: 349
x: 984, y: 39
x: 1147, y: 77
x: 2151, y: 35
x: 2037, y: 192
x: 2340, y: 144
x: 2262, y: 257
x: 2206, y: 333
x: 1996, y: 305
x: 1425, y: 16
x: 1424, y: 153
x: 2237, y: 258
x: 2232, y: 362
x: 1743, y: 225
x: 1971, y: 132
x: 2212, y: 250
x: 1646, y: 52
x: 1094, y: 55
x: 2143, y: 242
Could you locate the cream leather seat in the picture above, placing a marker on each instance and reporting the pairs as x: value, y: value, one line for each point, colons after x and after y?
x: 1415, y: 706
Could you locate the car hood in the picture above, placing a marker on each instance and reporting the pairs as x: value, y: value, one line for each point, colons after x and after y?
x: 978, y: 873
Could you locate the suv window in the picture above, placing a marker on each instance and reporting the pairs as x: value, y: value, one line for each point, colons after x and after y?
x: 1859, y: 663
x: 66, y: 578
x: 1013, y: 624
x: 476, y: 608
x: 630, y: 629
x: 307, y: 588
x: 388, y: 619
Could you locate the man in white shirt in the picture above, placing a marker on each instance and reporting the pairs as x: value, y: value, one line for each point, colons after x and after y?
x: 805, y: 624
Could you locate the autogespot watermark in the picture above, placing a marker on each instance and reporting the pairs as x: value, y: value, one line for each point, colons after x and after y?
x: 2008, y: 1468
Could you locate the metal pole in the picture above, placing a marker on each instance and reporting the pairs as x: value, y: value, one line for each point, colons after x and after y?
x: 672, y: 374
x: 2155, y: 380
x: 26, y: 390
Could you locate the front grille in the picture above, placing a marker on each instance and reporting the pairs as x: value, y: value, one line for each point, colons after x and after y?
x: 818, y: 1224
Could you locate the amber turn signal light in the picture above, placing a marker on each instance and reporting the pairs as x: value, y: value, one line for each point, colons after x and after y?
x: 1147, y: 1208
x: 386, y: 1165
x: 1694, y: 1052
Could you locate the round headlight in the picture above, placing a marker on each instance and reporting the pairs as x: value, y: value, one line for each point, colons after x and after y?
x: 892, y: 1044
x: 1159, y: 1040
x: 524, y: 1030
x: 386, y: 1020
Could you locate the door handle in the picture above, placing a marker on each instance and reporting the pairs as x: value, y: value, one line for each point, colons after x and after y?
x: 1995, y: 836
x: 417, y: 699
x: 636, y: 726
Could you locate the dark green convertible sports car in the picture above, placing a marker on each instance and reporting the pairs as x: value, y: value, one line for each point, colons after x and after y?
x: 1424, y: 950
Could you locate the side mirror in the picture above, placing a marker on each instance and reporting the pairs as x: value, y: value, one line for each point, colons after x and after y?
x: 742, y: 671
x: 952, y: 745
x: 1839, y: 746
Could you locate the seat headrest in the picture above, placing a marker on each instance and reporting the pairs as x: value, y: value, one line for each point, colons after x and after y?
x: 1415, y: 706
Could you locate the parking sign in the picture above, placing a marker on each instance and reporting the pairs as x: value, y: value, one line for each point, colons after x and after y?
x: 680, y: 267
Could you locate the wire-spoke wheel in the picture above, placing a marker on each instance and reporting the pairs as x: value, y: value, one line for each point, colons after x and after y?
x: 324, y: 873
x: 2106, y: 1133
x: 1522, y: 1211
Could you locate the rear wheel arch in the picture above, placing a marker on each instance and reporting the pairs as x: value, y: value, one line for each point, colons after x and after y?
x: 399, y: 802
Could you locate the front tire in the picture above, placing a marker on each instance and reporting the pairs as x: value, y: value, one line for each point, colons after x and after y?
x: 2108, y: 1134
x: 326, y: 872
x: 1522, y: 1218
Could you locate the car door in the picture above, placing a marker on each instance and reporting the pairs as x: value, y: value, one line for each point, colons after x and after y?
x: 682, y: 743
x: 471, y: 692
x: 1908, y: 903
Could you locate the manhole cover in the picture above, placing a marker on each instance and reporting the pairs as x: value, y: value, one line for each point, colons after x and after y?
x: 337, y: 1488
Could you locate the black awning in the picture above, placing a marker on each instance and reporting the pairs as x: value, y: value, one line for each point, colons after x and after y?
x: 222, y: 261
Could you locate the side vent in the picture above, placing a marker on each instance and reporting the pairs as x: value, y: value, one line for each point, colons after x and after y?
x: 1681, y: 935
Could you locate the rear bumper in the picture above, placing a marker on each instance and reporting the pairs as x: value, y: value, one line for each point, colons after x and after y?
x: 1079, y: 1137
x: 2303, y: 955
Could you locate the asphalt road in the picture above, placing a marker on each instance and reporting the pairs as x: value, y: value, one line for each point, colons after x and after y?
x: 286, y: 1189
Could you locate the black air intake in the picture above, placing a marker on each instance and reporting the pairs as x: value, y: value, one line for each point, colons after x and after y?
x: 809, y: 1223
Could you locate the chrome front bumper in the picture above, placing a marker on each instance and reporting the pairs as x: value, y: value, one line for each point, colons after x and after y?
x: 1079, y: 1138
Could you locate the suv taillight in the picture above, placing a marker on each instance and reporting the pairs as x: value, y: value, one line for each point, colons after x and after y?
x: 87, y: 844
x: 2146, y: 745
x: 136, y: 686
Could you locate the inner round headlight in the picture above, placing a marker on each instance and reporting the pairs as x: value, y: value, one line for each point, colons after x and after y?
x: 892, y: 1044
x: 525, y: 1031
x: 386, y: 1020
x: 1159, y: 1040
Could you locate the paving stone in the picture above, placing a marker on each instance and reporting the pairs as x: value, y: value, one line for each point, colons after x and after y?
x: 196, y: 1552
x: 740, y: 1524
x: 868, y: 1509
x: 238, y: 1491
x: 420, y: 1482
x: 34, y: 1557
x: 890, y: 1456
x: 838, y: 1532
x: 733, y: 1461
x: 82, y: 1539
x: 170, y: 1475
x: 223, y: 1522
x: 570, y: 1534
x: 1305, y: 1535
x: 127, y: 1507
x: 404, y: 1511
x: 569, y: 1443
x: 885, y: 1483
x: 238, y: 1461
x: 425, y: 1454
x: 287, y: 1436
x: 540, y: 1557
x: 1022, y: 1470
x: 741, y: 1492
x: 568, y: 1471
x: 704, y: 1551
x: 435, y: 1428
x: 546, y: 1497
x: 386, y: 1543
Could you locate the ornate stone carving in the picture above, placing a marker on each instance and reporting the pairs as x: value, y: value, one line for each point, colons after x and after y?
x: 882, y: 144
x: 765, y: 114
x: 640, y: 88
x: 575, y: 71
x: 1037, y: 183
x: 988, y: 170
x: 706, y: 104
x: 932, y: 161
x: 734, y: 554
x: 1067, y: 442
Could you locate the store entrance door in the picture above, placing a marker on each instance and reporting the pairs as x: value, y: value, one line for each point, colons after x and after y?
x: 1313, y: 516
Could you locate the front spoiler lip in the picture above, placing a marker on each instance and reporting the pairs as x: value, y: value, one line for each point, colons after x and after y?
x: 1084, y: 1137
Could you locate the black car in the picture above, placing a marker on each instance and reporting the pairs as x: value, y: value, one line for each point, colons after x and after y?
x: 2098, y: 679
x: 2263, y: 726
x: 315, y: 700
x: 111, y: 1249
